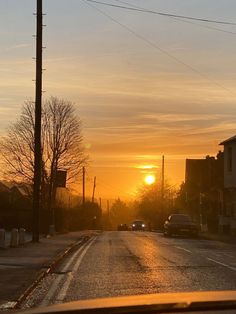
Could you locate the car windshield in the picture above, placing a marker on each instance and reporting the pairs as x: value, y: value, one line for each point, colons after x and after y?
x: 117, y: 149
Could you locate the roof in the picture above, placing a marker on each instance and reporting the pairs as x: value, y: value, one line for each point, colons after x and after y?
x: 4, y: 187
x: 22, y: 188
x: 229, y: 140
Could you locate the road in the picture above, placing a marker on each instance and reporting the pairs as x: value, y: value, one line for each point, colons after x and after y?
x: 128, y: 263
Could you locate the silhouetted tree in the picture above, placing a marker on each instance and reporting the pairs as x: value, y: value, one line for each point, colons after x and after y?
x: 152, y: 207
x: 122, y: 212
x: 61, y: 144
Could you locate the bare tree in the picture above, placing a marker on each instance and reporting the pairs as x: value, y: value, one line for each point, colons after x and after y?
x: 17, y: 147
x: 152, y: 207
x: 61, y: 144
x: 63, y: 137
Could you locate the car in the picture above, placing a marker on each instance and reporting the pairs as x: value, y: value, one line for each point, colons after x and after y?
x: 202, y: 302
x: 122, y: 227
x: 138, y: 225
x: 180, y: 224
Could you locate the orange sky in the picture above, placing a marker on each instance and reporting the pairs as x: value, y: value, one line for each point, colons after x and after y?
x: 143, y: 85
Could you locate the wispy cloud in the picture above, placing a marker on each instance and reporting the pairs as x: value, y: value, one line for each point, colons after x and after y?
x: 15, y: 47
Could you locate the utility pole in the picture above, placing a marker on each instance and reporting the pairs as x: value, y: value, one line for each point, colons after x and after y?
x: 162, y: 187
x: 37, y: 128
x: 100, y: 202
x: 162, y: 177
x: 108, y: 209
x: 94, y: 187
x: 83, y: 185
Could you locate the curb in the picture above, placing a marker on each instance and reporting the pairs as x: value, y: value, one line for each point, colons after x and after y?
x: 43, y: 273
x: 220, y: 239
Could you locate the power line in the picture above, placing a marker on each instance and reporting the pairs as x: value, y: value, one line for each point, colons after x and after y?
x: 162, y: 13
x: 185, y: 21
x: 157, y: 47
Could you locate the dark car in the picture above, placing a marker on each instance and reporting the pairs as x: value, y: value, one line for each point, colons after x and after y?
x: 122, y: 227
x: 180, y: 224
x: 138, y: 225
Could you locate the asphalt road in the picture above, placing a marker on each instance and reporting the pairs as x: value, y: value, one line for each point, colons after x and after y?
x: 128, y: 263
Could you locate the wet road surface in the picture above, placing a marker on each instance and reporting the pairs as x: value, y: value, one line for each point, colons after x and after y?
x: 128, y: 263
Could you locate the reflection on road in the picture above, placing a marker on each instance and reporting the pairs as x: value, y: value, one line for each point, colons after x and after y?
x: 128, y: 263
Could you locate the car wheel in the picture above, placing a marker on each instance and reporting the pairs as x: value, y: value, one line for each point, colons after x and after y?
x: 167, y: 233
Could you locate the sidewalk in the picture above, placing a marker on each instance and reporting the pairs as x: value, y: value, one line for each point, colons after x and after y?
x: 219, y: 237
x: 21, y: 267
x: 28, y: 237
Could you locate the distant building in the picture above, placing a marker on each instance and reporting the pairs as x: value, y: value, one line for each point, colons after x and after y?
x: 230, y: 162
x: 204, y: 186
x: 228, y: 216
x: 15, y: 205
x: 205, y: 174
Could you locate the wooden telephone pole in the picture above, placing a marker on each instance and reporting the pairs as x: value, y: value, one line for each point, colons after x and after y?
x: 162, y: 178
x: 94, y: 187
x: 83, y: 185
x: 108, y: 209
x: 162, y: 187
x: 37, y: 128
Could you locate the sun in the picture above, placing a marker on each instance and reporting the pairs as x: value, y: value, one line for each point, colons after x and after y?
x: 150, y: 179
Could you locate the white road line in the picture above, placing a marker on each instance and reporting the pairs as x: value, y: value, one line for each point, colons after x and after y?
x: 51, y: 292
x: 181, y: 248
x: 62, y: 294
x: 57, y: 281
x: 222, y: 264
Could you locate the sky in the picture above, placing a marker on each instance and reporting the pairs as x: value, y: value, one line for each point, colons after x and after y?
x: 144, y: 85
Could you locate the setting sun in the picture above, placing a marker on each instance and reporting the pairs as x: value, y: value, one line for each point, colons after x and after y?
x: 150, y: 179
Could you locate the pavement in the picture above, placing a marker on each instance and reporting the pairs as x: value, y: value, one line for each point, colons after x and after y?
x: 22, y: 267
x: 28, y: 237
x: 212, y: 236
x: 219, y: 237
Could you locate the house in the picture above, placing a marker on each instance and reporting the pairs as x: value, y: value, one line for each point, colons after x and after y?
x: 227, y: 218
x: 15, y: 205
x: 203, y: 188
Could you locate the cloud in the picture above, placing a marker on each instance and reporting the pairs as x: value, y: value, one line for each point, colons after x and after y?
x: 15, y: 47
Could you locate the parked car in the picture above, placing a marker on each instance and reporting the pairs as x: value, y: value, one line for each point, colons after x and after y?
x: 122, y: 227
x: 138, y: 225
x: 180, y: 224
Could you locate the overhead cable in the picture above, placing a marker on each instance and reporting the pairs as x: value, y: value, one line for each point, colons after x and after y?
x: 157, y: 47
x: 202, y: 25
x: 162, y: 13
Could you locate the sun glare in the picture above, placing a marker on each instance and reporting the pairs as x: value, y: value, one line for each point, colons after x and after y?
x: 150, y: 179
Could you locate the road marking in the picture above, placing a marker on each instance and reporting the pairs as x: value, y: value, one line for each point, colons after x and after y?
x: 56, y: 283
x: 62, y: 294
x: 181, y: 248
x: 222, y: 264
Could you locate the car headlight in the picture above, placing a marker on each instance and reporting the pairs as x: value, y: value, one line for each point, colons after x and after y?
x: 143, y: 225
